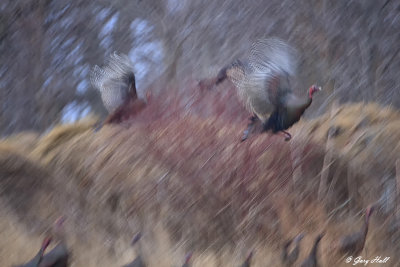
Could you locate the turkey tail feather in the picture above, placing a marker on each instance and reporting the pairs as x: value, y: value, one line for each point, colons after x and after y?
x: 273, y: 55
x: 272, y: 62
x: 114, y: 80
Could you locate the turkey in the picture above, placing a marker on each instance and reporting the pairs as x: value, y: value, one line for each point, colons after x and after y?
x: 288, y: 259
x: 354, y: 243
x: 59, y: 255
x: 311, y: 260
x: 247, y: 262
x: 39, y: 256
x: 138, y: 261
x: 262, y: 84
x: 116, y: 83
x: 187, y: 260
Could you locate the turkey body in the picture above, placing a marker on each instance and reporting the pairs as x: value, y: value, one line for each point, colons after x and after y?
x: 126, y: 111
x: 36, y: 261
x: 287, y: 113
x: 353, y: 244
x: 262, y: 84
x: 57, y: 257
x: 116, y: 83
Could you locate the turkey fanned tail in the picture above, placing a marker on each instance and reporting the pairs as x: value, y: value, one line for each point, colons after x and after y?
x: 114, y: 81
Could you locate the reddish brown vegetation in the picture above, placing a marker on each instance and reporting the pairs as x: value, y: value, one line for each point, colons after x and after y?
x: 180, y: 176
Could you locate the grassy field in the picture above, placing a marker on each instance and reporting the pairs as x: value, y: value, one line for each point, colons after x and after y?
x: 184, y: 180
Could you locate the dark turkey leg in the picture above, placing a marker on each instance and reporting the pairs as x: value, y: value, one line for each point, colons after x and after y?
x: 250, y: 126
x: 288, y: 136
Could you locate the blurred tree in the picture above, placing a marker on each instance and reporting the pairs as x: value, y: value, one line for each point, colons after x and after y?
x: 47, y: 48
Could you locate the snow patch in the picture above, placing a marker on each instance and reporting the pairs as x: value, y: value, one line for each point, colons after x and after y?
x: 74, y: 111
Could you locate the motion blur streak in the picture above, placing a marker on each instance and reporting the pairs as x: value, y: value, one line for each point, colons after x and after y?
x: 177, y: 172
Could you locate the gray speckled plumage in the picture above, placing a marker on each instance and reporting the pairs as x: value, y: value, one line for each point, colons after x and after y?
x: 262, y: 83
x: 264, y: 76
x: 114, y: 81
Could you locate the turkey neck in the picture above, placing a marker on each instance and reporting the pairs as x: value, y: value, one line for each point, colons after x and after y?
x: 38, y: 258
x: 304, y: 104
x: 364, y: 229
x: 298, y: 104
x: 309, y: 100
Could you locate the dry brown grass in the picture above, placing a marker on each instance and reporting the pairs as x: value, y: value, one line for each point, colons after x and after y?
x: 183, y: 179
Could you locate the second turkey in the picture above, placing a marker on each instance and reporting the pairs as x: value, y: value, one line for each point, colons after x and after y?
x: 262, y: 84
